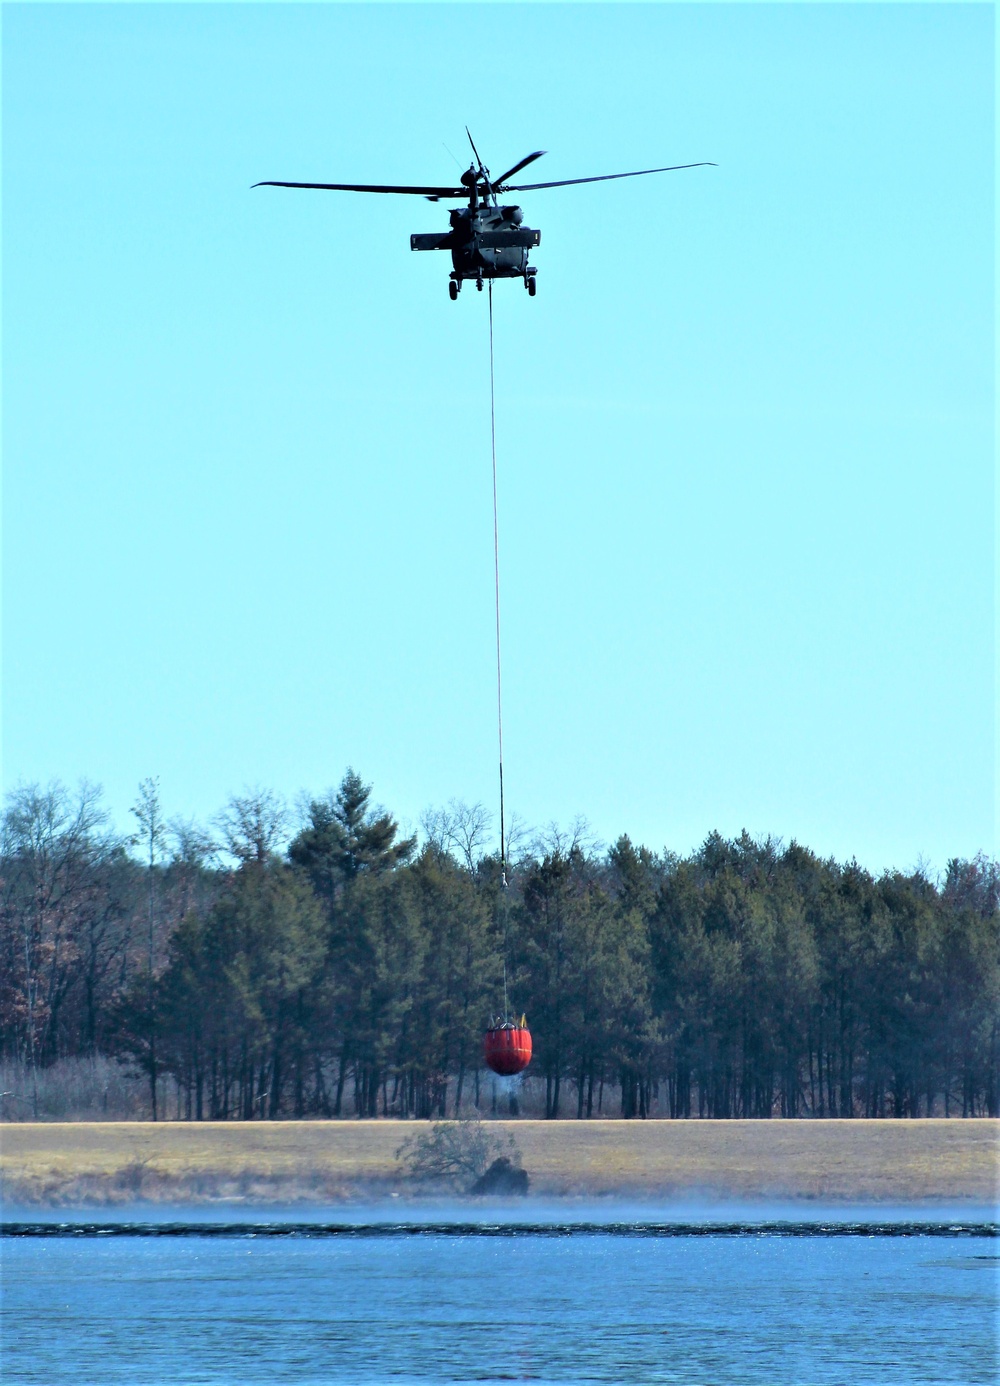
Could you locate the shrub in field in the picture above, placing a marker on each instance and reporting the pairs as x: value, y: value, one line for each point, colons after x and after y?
x: 457, y: 1153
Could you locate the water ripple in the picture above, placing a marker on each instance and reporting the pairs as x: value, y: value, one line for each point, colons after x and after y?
x: 250, y: 1230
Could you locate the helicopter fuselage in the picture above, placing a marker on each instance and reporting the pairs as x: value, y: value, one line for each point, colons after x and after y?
x: 486, y: 242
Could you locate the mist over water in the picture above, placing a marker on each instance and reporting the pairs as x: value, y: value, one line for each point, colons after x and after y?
x: 583, y: 1293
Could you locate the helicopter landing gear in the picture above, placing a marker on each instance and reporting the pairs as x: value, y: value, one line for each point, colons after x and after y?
x: 529, y: 281
x: 532, y: 290
x: 452, y: 289
x: 479, y: 283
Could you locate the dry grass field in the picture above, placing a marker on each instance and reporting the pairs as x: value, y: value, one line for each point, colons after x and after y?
x: 333, y: 1162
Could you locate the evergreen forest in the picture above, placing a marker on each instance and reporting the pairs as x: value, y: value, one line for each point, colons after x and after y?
x: 333, y: 967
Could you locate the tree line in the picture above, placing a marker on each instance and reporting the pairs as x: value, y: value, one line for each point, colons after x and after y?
x: 346, y: 969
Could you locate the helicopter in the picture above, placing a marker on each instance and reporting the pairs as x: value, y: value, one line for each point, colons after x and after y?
x: 486, y: 240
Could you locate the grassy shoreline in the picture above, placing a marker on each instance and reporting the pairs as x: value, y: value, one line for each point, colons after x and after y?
x: 105, y: 1163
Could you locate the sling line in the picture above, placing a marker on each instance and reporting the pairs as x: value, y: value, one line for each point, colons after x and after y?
x: 496, y: 577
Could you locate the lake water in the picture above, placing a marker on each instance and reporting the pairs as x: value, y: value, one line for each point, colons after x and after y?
x: 633, y: 1298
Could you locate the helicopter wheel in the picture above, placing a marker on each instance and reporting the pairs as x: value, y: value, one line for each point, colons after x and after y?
x: 452, y: 290
x: 531, y: 287
x: 479, y: 283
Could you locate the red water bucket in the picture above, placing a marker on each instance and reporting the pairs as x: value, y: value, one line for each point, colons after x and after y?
x: 507, y: 1049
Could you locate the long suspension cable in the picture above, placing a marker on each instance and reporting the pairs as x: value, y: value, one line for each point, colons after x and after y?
x: 496, y: 582
x: 496, y: 577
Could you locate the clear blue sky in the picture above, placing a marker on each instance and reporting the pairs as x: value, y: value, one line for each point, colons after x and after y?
x: 745, y: 431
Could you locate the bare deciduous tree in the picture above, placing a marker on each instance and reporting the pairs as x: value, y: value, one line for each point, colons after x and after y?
x: 461, y: 829
x: 253, y: 825
x: 152, y: 838
x: 50, y: 843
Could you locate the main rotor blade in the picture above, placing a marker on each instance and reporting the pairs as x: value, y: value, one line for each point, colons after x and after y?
x: 604, y: 177
x: 370, y: 188
x: 518, y: 167
x: 474, y: 149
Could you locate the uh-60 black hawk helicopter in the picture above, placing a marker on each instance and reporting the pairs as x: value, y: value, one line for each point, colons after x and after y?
x: 486, y: 240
